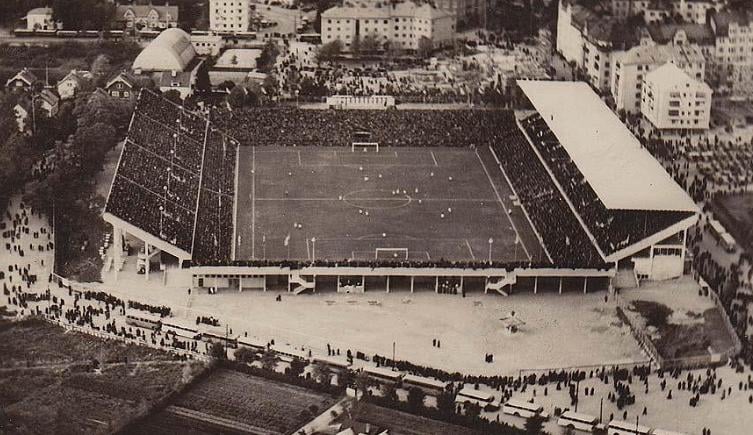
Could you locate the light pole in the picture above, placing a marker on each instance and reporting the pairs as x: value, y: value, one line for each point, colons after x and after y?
x: 313, y: 249
x: 491, y: 241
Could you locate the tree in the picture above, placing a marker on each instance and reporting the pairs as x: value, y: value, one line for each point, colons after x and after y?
x: 446, y: 404
x: 362, y: 382
x: 472, y: 410
x: 322, y: 373
x: 534, y: 425
x: 217, y: 351
x: 237, y: 97
x: 245, y: 355
x: 369, y: 45
x: 173, y: 95
x: 389, y: 391
x: 425, y: 47
x: 297, y: 365
x: 345, y: 378
x: 329, y: 51
x: 416, y: 399
x: 269, y: 360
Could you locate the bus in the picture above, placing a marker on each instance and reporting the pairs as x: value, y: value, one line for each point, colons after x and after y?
x: 143, y: 319
x: 311, y: 38
x: 619, y: 427
x: 217, y: 334
x: 181, y: 328
x: 424, y: 382
x: 382, y: 374
x: 332, y: 361
x: 523, y: 408
x: 288, y: 353
x: 253, y: 343
x: 666, y: 432
x: 468, y: 394
x: 578, y: 421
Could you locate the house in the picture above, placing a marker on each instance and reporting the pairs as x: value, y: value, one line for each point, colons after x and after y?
x: 41, y: 19
x: 24, y: 79
x: 71, y: 83
x: 121, y: 86
x: 147, y: 17
x: 180, y: 81
x: 46, y: 102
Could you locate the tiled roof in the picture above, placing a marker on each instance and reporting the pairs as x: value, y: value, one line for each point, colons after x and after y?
x: 696, y: 33
x: 142, y: 11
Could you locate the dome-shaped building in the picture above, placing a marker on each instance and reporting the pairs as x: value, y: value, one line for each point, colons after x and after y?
x: 171, y: 50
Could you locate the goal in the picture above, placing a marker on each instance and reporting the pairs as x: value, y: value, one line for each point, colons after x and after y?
x: 364, y: 146
x: 391, y: 253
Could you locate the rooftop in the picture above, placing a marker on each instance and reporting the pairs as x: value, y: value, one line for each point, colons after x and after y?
x: 404, y: 9
x: 653, y: 54
x: 696, y: 33
x: 670, y: 74
x: 622, y: 173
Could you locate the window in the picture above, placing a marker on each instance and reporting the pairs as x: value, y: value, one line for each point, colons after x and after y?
x: 674, y: 112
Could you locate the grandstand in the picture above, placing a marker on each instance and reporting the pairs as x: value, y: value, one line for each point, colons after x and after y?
x: 174, y: 186
x: 449, y: 200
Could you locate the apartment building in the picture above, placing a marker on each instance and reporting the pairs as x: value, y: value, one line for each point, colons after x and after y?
x: 672, y: 100
x: 401, y: 25
x: 229, y: 16
x: 631, y: 67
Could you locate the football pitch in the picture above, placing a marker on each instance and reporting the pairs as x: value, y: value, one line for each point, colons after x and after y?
x: 422, y: 204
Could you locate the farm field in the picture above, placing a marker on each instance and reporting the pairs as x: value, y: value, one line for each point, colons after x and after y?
x: 35, y: 342
x: 269, y: 407
x: 51, y: 386
x: 401, y: 423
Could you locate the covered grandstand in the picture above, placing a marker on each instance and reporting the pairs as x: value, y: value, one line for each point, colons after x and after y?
x: 589, y: 197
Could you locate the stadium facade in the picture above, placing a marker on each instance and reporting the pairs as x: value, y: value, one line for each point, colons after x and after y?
x: 598, y: 203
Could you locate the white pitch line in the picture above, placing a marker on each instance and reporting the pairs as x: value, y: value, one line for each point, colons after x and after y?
x: 499, y: 198
x: 470, y: 250
x: 253, y: 202
x: 300, y: 163
x: 434, y: 158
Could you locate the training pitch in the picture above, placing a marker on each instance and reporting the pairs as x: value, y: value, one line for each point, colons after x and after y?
x: 416, y: 203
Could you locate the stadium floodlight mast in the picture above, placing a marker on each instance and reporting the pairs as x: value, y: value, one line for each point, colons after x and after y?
x: 313, y: 249
x: 491, y: 241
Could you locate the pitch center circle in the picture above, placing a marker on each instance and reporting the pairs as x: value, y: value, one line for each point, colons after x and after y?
x: 376, y: 199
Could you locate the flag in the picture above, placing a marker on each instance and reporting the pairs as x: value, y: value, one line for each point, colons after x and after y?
x: 286, y: 242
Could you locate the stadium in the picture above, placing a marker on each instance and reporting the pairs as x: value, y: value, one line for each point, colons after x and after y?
x: 555, y: 197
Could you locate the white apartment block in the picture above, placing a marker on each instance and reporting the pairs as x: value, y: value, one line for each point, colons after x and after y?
x: 691, y: 11
x: 631, y: 67
x: 229, y: 15
x: 673, y: 100
x: 401, y: 25
x: 733, y: 56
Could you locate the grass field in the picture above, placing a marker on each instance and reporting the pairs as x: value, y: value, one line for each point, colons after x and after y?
x: 47, y: 386
x: 435, y: 202
x: 679, y: 321
x: 401, y: 423
x: 270, y: 406
x: 735, y: 212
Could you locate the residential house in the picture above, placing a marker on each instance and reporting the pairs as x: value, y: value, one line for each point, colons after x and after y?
x: 121, y: 86
x: 147, y: 17
x: 24, y: 79
x: 72, y: 83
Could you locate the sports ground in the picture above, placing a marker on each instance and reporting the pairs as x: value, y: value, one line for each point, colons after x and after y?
x: 397, y: 203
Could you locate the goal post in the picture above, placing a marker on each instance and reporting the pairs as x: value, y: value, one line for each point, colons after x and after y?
x: 365, y: 146
x: 391, y: 253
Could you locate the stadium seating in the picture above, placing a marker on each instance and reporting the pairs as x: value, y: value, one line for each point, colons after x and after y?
x: 612, y: 229
x: 172, y: 165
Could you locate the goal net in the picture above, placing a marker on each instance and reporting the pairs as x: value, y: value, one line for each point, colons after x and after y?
x: 391, y: 254
x: 364, y: 146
